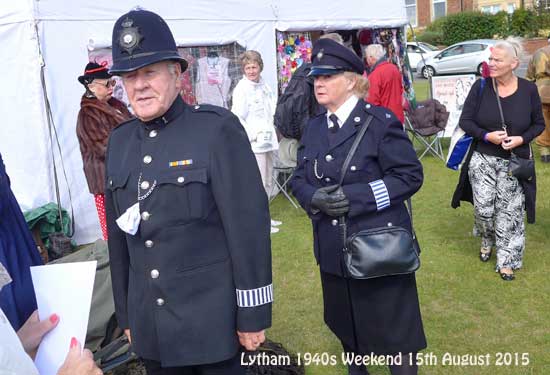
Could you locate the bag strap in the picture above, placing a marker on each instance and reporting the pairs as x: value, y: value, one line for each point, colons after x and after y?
x: 358, y: 138
x: 353, y: 148
x: 495, y: 85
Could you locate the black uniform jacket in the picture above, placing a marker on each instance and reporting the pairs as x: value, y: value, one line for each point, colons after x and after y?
x: 199, y: 267
x: 383, y: 173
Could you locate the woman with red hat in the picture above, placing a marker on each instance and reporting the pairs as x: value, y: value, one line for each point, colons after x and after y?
x: 99, y: 114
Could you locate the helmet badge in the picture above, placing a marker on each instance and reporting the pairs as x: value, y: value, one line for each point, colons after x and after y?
x: 320, y: 54
x: 129, y: 37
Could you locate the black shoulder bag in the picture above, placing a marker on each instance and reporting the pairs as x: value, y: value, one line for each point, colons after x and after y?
x: 521, y: 168
x: 382, y: 251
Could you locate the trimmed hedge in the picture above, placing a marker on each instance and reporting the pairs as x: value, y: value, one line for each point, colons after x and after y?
x: 469, y: 25
x: 476, y: 25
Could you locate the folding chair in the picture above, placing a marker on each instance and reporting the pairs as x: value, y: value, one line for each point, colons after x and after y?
x: 427, y: 124
x: 283, y: 166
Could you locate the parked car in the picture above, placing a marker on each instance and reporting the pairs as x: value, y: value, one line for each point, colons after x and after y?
x: 463, y: 57
x: 415, y: 50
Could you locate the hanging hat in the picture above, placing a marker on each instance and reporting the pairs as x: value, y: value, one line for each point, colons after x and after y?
x: 329, y: 57
x: 94, y: 70
x: 142, y: 38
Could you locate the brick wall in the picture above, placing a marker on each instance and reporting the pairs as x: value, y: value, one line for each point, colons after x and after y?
x: 531, y: 45
x: 424, y: 11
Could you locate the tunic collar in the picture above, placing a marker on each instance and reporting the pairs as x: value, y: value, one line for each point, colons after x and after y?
x: 174, y: 111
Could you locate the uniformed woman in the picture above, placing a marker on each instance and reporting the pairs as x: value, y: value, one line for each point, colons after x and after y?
x: 380, y: 315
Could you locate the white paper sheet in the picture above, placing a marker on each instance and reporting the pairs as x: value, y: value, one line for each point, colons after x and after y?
x: 64, y: 289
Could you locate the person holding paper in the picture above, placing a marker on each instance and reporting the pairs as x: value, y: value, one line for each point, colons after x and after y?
x: 17, y: 350
x: 187, y: 216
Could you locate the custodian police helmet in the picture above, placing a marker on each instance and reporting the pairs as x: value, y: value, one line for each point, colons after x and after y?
x: 142, y: 38
x: 329, y: 57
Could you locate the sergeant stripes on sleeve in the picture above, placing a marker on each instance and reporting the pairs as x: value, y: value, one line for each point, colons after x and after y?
x: 255, y: 297
x: 380, y: 194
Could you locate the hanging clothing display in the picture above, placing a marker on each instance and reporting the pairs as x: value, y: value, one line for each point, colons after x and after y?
x: 213, y: 80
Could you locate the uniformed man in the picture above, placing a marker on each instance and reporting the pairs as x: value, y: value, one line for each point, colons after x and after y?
x: 380, y: 315
x: 187, y: 216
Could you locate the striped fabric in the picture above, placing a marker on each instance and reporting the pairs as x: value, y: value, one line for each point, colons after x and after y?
x: 380, y: 194
x: 255, y: 297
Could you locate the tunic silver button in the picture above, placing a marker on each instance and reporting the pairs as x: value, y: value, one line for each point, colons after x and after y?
x: 145, y: 215
x: 357, y: 119
x: 353, y: 168
x: 160, y: 302
x: 368, y: 106
x: 181, y: 179
x: 334, y: 222
x: 329, y: 158
x: 390, y: 224
x: 153, y: 134
x: 155, y: 274
x: 111, y: 182
x: 149, y: 244
x: 145, y: 185
x: 147, y: 159
x: 327, y: 179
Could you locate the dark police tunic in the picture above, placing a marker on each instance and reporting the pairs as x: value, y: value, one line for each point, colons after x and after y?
x: 381, y: 315
x: 199, y: 267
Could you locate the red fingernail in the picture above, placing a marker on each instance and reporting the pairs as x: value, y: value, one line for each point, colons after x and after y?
x: 54, y: 318
x: 74, y: 342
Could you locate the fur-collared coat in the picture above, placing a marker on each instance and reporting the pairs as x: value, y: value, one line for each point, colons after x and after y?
x: 95, y: 121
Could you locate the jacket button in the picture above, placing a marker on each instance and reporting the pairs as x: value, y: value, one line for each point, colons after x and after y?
x: 334, y: 222
x: 353, y: 168
x: 110, y: 182
x: 160, y: 302
x: 147, y: 159
x: 327, y: 179
x: 181, y: 179
x: 390, y: 224
x: 145, y: 215
x: 155, y: 274
x: 153, y: 134
x: 329, y: 158
x: 145, y: 185
x: 149, y: 244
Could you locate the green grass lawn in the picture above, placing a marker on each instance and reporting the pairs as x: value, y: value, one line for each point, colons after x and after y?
x: 466, y: 307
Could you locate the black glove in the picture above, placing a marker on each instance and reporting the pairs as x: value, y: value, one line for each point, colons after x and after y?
x: 331, y: 200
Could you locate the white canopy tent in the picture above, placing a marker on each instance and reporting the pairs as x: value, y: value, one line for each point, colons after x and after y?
x: 60, y: 31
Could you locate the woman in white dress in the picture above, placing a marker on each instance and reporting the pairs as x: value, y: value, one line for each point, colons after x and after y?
x: 254, y: 104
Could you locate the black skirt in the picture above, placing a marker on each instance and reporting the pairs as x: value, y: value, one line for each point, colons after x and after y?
x: 380, y: 316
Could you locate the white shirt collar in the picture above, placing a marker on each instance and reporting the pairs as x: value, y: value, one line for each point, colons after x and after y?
x: 343, y: 111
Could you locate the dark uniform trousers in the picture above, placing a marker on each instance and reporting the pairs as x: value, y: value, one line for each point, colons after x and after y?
x: 379, y: 315
x: 199, y: 267
x: 230, y: 367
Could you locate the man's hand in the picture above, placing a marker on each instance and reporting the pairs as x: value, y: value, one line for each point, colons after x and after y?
x: 129, y: 335
x: 32, y: 332
x: 512, y: 142
x: 79, y: 362
x: 251, y: 340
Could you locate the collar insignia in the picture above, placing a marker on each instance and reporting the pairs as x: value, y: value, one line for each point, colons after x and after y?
x: 130, y: 36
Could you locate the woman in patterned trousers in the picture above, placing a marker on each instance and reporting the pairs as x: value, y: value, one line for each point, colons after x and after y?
x: 500, y: 199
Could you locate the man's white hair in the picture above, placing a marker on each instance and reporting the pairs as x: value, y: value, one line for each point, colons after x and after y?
x: 374, y: 50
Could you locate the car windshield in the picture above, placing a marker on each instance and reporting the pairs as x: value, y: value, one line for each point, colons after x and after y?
x: 428, y: 46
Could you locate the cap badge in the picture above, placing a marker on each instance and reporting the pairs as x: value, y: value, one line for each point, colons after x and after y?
x: 320, y: 54
x: 129, y: 37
